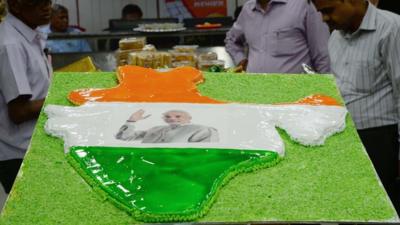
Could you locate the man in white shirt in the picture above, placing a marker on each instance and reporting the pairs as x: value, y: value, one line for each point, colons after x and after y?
x: 24, y: 80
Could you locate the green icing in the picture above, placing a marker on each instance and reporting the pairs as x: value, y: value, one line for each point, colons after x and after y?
x: 165, y: 184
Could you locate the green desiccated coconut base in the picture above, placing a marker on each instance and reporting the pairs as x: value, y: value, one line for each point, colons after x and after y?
x: 335, y: 182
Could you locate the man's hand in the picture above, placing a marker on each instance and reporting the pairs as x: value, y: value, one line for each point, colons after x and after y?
x: 22, y: 109
x: 138, y: 115
x: 242, y: 66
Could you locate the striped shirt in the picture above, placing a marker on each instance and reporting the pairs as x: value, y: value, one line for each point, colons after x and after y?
x: 281, y: 38
x: 366, y: 64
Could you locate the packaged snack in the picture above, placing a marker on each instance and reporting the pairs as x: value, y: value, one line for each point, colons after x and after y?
x: 135, y: 43
x: 166, y: 59
x: 207, y: 56
x: 182, y: 63
x: 145, y: 59
x: 122, y: 56
x: 183, y: 56
x: 149, y: 48
x: 185, y: 48
x: 133, y: 58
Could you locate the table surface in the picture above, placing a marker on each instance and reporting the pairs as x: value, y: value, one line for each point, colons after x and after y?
x: 334, y: 183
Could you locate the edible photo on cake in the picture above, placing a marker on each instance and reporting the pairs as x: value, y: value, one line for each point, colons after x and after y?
x: 187, y: 125
x: 177, y: 128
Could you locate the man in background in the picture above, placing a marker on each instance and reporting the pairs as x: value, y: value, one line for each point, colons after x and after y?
x: 281, y: 35
x: 60, y: 24
x: 132, y: 12
x: 365, y: 50
x: 24, y: 80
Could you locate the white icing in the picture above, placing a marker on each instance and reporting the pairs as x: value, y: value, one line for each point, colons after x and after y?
x: 239, y: 126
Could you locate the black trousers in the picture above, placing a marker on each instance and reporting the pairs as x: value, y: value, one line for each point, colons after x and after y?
x: 382, y: 146
x: 8, y: 173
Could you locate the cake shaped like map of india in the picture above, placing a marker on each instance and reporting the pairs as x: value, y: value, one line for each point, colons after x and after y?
x: 161, y: 151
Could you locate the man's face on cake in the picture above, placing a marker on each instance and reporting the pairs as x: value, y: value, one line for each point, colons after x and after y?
x: 176, y: 117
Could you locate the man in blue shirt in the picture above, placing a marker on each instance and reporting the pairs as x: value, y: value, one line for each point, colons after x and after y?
x: 60, y: 24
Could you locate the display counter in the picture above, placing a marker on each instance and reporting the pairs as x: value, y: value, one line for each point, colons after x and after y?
x: 105, y: 61
x: 101, y: 40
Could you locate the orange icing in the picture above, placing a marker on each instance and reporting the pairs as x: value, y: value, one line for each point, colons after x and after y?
x: 318, y: 100
x: 138, y: 84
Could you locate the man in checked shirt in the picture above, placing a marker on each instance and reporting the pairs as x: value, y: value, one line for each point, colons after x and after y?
x: 365, y: 51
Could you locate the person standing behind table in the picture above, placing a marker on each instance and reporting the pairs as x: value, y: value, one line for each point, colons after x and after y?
x: 365, y: 52
x: 131, y: 12
x: 281, y: 36
x: 59, y: 23
x: 24, y: 80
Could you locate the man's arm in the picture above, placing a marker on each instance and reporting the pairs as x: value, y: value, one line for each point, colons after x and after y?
x: 127, y: 132
x: 15, y: 86
x: 22, y: 109
x: 317, y: 33
x: 235, y: 42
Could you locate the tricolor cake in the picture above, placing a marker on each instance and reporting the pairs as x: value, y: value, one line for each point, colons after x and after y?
x: 252, y: 149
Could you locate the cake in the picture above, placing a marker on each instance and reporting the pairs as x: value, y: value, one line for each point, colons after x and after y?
x: 226, y: 139
x: 334, y: 182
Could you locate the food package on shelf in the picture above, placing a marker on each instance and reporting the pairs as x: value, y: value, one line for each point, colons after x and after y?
x: 132, y: 58
x: 207, y: 65
x: 149, y: 48
x: 183, y: 63
x: 183, y: 56
x: 133, y: 43
x: 145, y: 59
x: 122, y: 56
x: 153, y: 60
x: 186, y: 48
x: 208, y: 56
x: 166, y: 59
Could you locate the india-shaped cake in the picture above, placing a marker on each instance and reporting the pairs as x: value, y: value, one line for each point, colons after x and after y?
x: 299, y: 183
x: 161, y: 151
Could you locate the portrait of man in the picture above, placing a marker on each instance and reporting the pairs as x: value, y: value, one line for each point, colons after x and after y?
x: 179, y: 129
